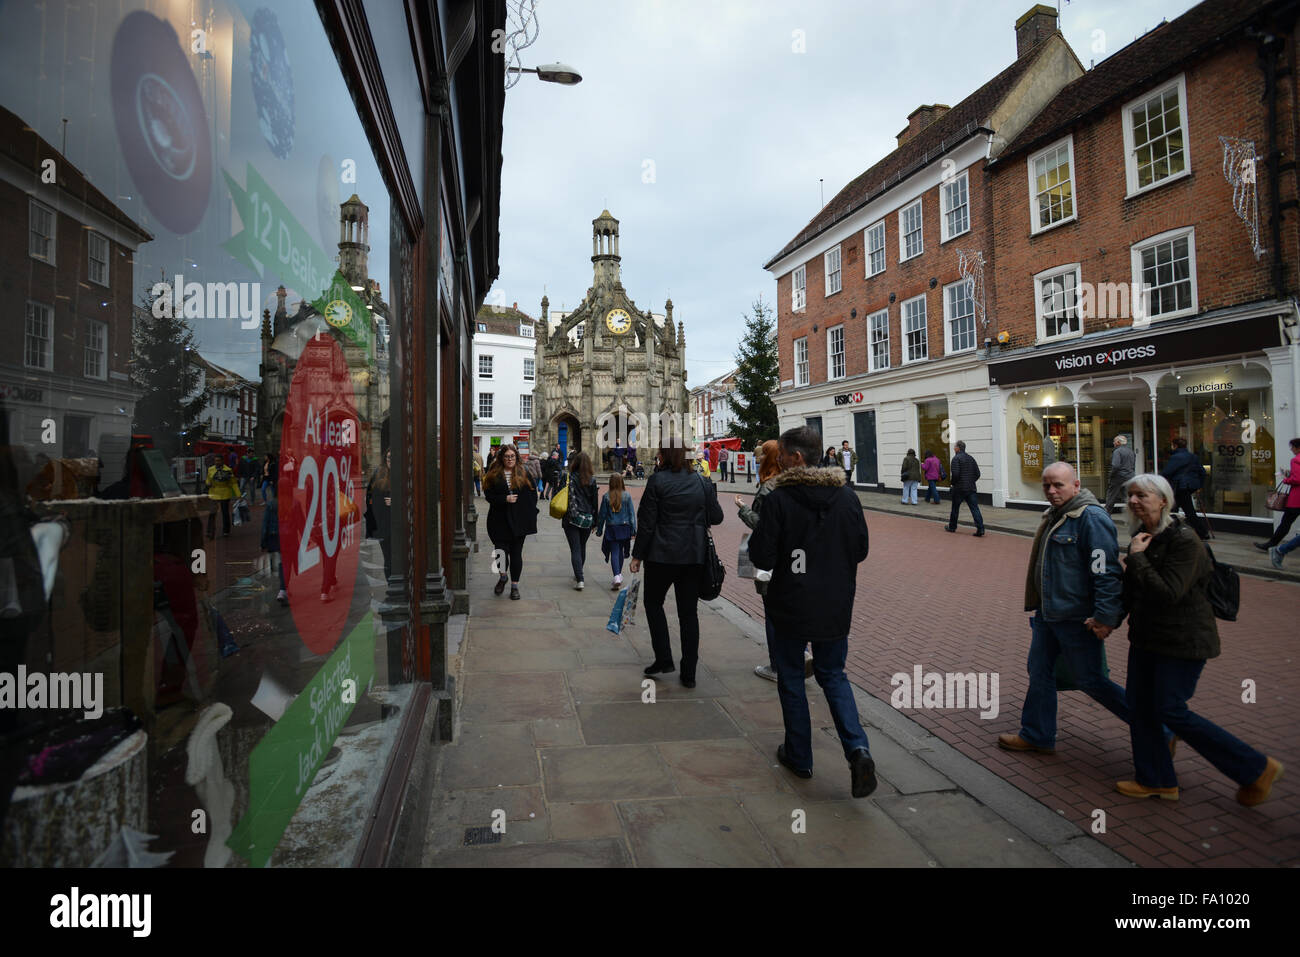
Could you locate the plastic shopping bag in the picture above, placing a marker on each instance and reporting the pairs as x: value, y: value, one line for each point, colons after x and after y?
x: 744, y: 567
x: 624, y: 611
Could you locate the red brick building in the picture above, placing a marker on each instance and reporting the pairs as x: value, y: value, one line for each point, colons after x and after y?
x: 1127, y: 283
x: 66, y: 265
x: 881, y: 338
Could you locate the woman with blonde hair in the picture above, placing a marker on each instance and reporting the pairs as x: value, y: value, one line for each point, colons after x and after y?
x: 616, y: 526
x: 1172, y: 633
x: 512, y: 515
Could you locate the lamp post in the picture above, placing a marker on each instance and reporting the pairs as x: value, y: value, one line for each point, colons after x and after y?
x: 554, y: 73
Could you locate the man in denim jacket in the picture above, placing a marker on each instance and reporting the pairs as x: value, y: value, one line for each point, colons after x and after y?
x: 1074, y: 589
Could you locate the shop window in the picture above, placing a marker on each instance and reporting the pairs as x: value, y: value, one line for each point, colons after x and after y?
x: 1056, y: 303
x: 933, y: 430
x: 1164, y: 267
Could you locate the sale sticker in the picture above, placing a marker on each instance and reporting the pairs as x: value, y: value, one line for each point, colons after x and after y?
x: 319, y: 484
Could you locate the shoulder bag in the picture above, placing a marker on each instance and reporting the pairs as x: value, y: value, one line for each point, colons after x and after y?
x: 1223, y: 589
x: 560, y: 500
x: 713, y: 572
x: 1277, y: 498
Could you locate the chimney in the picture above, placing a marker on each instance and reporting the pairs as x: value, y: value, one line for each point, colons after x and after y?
x: 920, y: 118
x: 1035, y: 27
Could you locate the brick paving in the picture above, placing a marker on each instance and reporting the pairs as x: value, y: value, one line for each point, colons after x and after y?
x: 952, y: 603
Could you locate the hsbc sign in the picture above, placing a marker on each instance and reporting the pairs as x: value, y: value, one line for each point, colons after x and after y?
x: 849, y: 398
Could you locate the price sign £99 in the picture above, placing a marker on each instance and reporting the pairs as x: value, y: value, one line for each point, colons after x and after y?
x: 319, y: 483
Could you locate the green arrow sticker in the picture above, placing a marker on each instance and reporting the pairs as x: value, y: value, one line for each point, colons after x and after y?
x: 284, y: 763
x: 272, y: 238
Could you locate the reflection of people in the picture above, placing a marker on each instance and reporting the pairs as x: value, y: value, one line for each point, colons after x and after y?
x: 379, y: 500
x: 1122, y: 465
x: 1186, y: 475
x: 271, y: 543
x: 1292, y: 478
x: 222, y: 488
x: 1172, y: 633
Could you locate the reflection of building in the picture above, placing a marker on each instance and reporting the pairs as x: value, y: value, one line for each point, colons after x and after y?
x: 284, y: 334
x: 623, y: 358
x: 505, y: 372
x: 231, y: 410
x: 711, y: 407
x: 881, y: 337
x: 1148, y: 297
x: 66, y: 261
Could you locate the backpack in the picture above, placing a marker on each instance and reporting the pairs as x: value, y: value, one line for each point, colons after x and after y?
x: 1223, y: 589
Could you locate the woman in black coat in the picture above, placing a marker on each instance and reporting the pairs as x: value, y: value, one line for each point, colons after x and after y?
x: 512, y: 516
x: 1171, y: 633
x: 676, y: 510
x: 584, y: 501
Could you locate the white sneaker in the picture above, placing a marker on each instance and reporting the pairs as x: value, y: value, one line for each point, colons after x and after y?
x: 282, y: 596
x: 580, y: 586
x: 618, y: 579
x: 765, y: 671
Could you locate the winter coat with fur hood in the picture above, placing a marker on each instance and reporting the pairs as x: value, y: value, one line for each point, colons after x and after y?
x: 812, y: 534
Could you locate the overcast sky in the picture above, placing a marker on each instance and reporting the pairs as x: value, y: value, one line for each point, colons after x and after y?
x: 704, y: 133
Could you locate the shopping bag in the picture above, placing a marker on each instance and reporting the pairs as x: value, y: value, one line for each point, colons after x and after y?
x: 235, y: 517
x: 624, y: 611
x: 744, y: 567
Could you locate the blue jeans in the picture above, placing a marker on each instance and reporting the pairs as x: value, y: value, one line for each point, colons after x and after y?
x: 932, y: 493
x: 1291, y: 545
x: 828, y: 667
x: 972, y: 501
x: 1082, y: 652
x: 1159, y: 688
x: 909, y: 491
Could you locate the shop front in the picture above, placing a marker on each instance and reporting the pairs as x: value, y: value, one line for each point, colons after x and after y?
x: 244, y: 662
x: 1215, y: 384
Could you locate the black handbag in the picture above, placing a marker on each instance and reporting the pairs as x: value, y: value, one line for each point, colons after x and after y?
x: 1223, y: 589
x: 713, y: 573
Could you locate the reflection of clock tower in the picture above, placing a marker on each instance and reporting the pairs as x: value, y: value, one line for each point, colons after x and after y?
x: 607, y: 358
x: 354, y: 241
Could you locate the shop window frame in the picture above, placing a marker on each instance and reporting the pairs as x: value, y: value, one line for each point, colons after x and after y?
x: 1135, y: 254
x: 1040, y: 319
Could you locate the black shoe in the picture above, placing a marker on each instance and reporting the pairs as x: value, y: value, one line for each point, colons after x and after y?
x: 804, y: 773
x: 514, y: 592
x: 979, y: 534
x: 658, y: 669
x: 863, y: 771
x: 500, y: 586
x: 947, y: 529
x: 1262, y: 546
x: 687, y: 682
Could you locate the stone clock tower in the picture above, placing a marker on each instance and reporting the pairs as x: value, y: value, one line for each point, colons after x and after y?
x: 607, y: 361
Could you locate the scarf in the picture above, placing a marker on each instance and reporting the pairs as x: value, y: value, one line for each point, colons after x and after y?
x: 1033, y: 597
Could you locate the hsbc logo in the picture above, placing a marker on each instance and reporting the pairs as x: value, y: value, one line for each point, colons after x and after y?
x: 849, y: 398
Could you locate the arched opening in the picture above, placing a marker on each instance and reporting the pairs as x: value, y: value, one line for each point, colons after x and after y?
x: 568, y: 434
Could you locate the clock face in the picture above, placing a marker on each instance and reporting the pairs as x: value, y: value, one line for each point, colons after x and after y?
x: 338, y: 313
x: 618, y: 321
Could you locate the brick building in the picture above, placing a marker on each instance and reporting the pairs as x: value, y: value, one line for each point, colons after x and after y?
x: 710, y: 405
x: 1128, y: 286
x: 881, y: 340
x: 65, y: 295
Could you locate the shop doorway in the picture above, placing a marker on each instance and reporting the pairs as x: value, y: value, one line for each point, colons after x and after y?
x: 864, y: 441
x: 1089, y: 447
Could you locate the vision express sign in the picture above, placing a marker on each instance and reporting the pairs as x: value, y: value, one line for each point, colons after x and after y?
x: 1103, y: 357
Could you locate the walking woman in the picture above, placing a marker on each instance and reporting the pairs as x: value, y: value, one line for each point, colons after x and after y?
x: 676, y: 511
x: 379, y: 502
x: 1171, y: 633
x: 581, y: 516
x: 616, y: 526
x: 931, y: 471
x: 1292, y: 478
x: 911, y: 477
x: 512, y: 514
x: 769, y: 467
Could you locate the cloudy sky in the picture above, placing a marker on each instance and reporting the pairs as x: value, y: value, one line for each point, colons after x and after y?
x: 705, y: 132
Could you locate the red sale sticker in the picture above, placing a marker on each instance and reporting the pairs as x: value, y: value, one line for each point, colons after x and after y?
x: 320, y: 474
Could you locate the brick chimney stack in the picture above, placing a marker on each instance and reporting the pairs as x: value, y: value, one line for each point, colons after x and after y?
x: 1034, y: 27
x: 920, y: 118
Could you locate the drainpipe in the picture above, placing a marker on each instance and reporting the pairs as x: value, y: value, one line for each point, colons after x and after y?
x: 1269, y: 44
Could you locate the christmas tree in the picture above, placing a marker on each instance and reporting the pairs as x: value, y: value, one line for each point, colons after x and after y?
x: 164, y: 362
x: 756, y: 379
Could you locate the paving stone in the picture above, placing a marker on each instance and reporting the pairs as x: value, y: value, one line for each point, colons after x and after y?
x: 852, y: 833
x: 502, y: 607
x: 719, y: 767
x: 484, y: 756
x: 903, y: 769
x: 556, y: 732
x: 604, y: 773
x: 507, y: 641
x: 476, y: 807
x: 584, y: 821
x: 608, y: 852
x: 765, y: 715
x: 634, y: 722
x: 958, y: 832
x: 831, y: 780
x: 614, y: 651
x: 490, y: 660
x: 515, y: 697
x: 607, y: 684
x: 693, y: 832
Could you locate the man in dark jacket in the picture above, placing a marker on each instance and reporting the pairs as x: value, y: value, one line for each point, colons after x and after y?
x: 812, y: 535
x: 1123, y: 466
x: 965, y: 473
x: 1186, y: 475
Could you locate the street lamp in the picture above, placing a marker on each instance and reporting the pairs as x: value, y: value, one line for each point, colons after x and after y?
x: 554, y: 73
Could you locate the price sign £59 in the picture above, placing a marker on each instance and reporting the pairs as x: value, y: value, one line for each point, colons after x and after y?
x: 320, y: 475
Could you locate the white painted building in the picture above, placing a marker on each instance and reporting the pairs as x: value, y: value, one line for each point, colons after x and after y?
x: 711, y: 407
x: 504, y: 375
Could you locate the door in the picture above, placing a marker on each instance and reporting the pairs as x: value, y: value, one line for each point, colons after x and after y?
x: 864, y: 441
x: 815, y: 422
x: 564, y: 442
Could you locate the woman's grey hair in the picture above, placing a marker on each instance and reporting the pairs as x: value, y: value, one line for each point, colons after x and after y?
x: 1158, y: 485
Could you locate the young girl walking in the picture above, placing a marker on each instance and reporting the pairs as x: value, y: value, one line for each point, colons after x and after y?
x: 616, y: 524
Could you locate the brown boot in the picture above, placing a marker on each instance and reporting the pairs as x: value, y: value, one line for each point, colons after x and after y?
x: 1134, y: 790
x: 1014, y: 742
x: 1257, y: 793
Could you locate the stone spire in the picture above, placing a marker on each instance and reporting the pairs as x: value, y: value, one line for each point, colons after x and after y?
x: 354, y: 241
x: 604, y: 249
x: 681, y: 337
